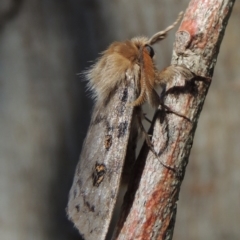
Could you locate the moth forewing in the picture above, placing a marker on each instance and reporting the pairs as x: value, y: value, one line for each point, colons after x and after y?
x: 98, y: 173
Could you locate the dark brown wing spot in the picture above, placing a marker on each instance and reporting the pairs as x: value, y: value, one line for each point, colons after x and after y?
x: 108, y: 142
x: 98, y: 174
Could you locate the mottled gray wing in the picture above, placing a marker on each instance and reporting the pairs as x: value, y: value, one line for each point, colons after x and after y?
x: 97, y: 178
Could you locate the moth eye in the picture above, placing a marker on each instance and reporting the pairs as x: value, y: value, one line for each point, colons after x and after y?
x: 150, y: 50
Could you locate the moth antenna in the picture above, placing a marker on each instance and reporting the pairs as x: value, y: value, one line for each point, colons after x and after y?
x: 162, y: 34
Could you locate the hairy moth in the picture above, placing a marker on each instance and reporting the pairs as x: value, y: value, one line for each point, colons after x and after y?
x: 121, y: 80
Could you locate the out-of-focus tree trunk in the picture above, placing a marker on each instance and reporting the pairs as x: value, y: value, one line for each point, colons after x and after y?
x: 45, y: 113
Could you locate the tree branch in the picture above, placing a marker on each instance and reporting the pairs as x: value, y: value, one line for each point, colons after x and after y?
x: 150, y: 204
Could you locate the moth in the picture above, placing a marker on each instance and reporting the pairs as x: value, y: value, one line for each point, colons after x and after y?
x: 122, y: 79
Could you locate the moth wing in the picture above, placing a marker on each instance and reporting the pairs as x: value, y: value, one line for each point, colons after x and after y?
x: 97, y: 178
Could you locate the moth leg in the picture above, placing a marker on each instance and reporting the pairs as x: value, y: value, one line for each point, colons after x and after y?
x: 149, y: 142
x: 169, y: 110
x: 140, y: 116
x: 146, y: 118
x: 167, y: 75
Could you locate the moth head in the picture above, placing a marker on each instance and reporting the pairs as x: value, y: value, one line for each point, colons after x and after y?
x: 147, y: 72
x: 135, y: 55
x: 149, y: 76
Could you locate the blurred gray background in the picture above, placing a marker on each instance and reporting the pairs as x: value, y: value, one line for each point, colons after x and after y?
x: 45, y: 112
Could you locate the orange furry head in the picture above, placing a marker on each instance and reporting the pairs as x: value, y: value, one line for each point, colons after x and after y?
x: 136, y: 56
